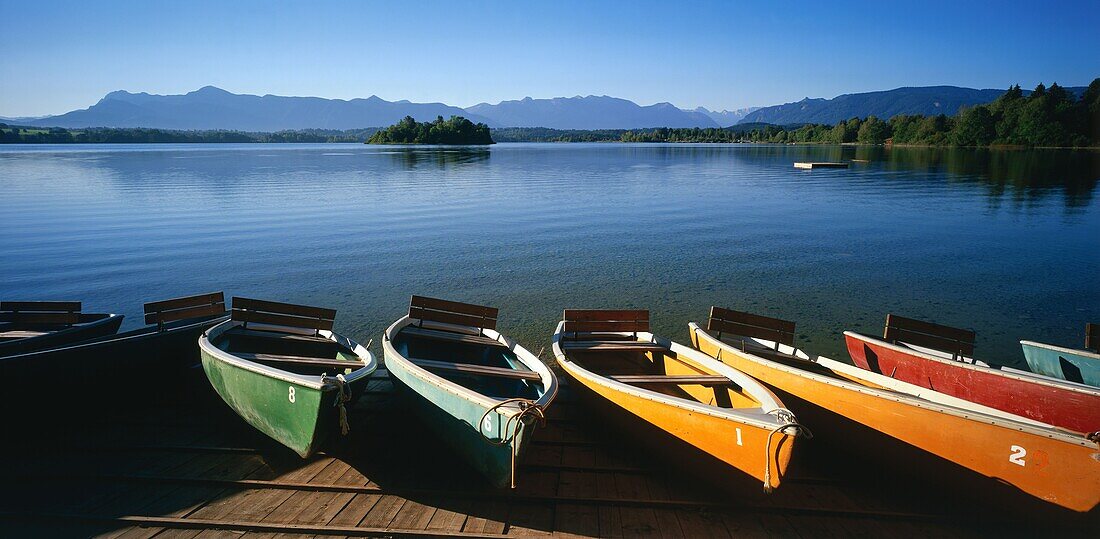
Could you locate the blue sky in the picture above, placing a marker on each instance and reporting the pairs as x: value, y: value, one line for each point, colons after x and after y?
x: 58, y: 56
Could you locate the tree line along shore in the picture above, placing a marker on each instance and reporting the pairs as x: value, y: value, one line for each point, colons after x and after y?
x: 1047, y: 117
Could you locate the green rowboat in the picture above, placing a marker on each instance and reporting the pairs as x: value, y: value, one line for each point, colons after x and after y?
x: 480, y: 391
x: 281, y: 368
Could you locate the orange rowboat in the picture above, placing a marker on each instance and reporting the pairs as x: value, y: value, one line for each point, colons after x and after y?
x: 677, y: 393
x: 959, y: 440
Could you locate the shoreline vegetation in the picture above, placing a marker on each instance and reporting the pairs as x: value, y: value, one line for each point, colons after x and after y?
x: 455, y: 131
x: 1047, y: 118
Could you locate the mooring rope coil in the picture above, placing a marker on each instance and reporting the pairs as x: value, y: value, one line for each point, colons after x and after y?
x: 527, y: 408
x: 788, y: 422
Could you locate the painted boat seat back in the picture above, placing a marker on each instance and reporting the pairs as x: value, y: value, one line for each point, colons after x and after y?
x: 40, y: 313
x: 743, y: 324
x: 290, y: 315
x: 453, y: 312
x: 955, y: 341
x: 185, y: 308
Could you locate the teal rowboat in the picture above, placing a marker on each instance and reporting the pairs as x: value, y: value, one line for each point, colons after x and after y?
x: 1081, y: 366
x: 478, y: 390
x: 281, y: 368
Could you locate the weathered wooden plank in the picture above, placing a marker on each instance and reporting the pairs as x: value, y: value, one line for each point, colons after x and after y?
x: 480, y: 311
x: 576, y: 520
x: 163, y: 317
x: 650, y: 379
x: 276, y: 307
x: 452, y: 318
x: 450, y: 514
x: 284, y: 320
x: 748, y: 330
x: 601, y: 345
x: 40, y: 318
x: 299, y: 360
x: 383, y: 512
x: 450, y: 336
x: 480, y: 370
x: 41, y: 306
x: 487, y: 517
x: 604, y: 315
x: 598, y: 326
x: 357, y: 508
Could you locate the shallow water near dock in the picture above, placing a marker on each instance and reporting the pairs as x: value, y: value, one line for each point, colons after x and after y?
x: 1004, y: 242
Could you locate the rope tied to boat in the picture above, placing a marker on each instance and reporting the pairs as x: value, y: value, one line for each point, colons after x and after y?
x: 1093, y: 437
x: 788, y: 423
x: 527, y: 409
x: 343, y: 397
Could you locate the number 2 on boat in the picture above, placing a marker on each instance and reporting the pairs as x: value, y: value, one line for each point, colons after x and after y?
x: 291, y: 394
x: 1017, y: 456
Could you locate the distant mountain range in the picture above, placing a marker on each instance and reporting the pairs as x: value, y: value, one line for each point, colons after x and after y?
x: 213, y: 108
x: 927, y: 100
x: 727, y: 118
x: 591, y: 112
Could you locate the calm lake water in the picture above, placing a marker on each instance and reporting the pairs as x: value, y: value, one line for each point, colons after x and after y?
x: 1004, y: 242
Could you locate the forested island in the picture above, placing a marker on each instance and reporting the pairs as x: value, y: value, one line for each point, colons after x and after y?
x: 456, y: 130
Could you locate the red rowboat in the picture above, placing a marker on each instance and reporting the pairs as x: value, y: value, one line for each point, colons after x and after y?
x: 937, y: 357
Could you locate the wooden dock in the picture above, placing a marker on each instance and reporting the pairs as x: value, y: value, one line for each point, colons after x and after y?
x: 188, y: 467
x: 820, y: 164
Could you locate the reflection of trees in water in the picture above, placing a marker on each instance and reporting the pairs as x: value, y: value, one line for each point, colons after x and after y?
x: 1022, y: 174
x: 440, y: 157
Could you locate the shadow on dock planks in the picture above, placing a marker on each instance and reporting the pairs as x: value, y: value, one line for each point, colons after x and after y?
x: 181, y: 464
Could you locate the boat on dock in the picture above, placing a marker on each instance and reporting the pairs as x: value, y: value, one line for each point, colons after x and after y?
x: 164, y: 347
x: 1081, y: 366
x: 283, y: 370
x: 481, y: 391
x: 871, y: 416
x: 940, y: 358
x: 27, y: 326
x: 715, y: 410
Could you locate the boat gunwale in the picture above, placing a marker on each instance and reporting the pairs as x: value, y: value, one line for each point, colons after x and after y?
x: 548, y: 380
x: 104, y: 319
x: 757, y: 416
x: 1055, y: 348
x: 1014, y: 374
x: 993, y: 417
x: 369, y: 362
x: 132, y: 335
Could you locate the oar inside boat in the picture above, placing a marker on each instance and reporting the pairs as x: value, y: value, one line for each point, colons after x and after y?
x: 282, y: 368
x: 482, y: 392
x: 711, y: 410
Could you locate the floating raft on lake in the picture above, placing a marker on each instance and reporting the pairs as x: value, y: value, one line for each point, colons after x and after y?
x: 820, y: 164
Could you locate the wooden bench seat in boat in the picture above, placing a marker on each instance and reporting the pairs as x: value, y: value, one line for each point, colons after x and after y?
x: 699, y: 379
x: 184, y: 308
x: 298, y: 360
x: 602, y: 345
x: 258, y: 311
x: 453, y: 313
x: 450, y: 336
x: 480, y: 370
x: 260, y: 334
x: 62, y: 313
x: 955, y: 341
